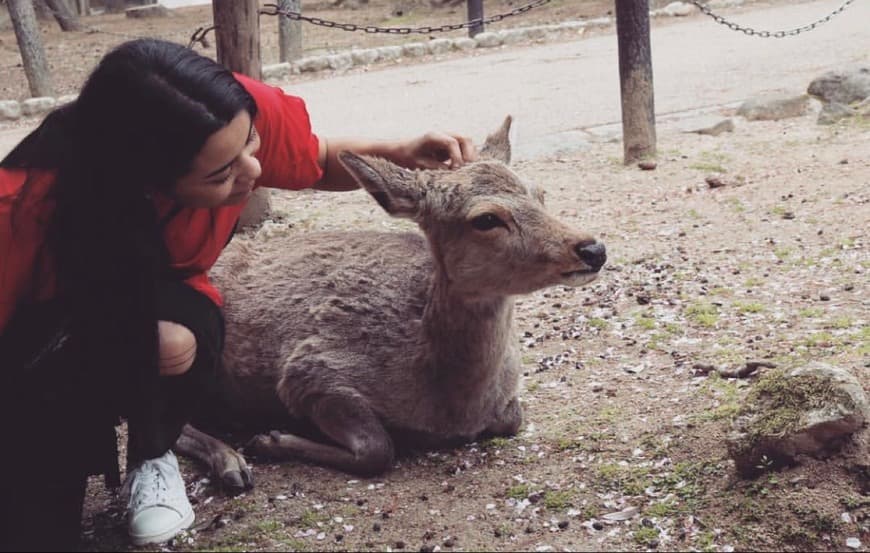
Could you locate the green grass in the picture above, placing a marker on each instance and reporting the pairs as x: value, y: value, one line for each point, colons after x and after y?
x: 520, y: 491
x: 703, y: 314
x: 748, y: 307
x: 558, y: 501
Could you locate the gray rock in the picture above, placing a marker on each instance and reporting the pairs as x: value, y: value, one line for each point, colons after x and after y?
x: 151, y: 10
x: 726, y: 125
x: 678, y: 9
x: 835, y: 111
x: 415, y: 50
x: 488, y: 40
x: 365, y: 56
x: 513, y: 36
x: 465, y: 43
x: 810, y: 410
x: 38, y: 106
x: 277, y: 71
x: 845, y: 86
x: 440, y: 45
x: 340, y: 62
x: 10, y: 110
x: 318, y: 63
x: 390, y: 53
x: 66, y: 99
x: 773, y: 107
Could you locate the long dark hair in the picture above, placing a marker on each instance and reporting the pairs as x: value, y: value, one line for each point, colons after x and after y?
x: 135, y: 128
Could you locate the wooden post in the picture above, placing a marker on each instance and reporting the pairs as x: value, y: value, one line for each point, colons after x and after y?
x: 237, y: 34
x: 475, y: 11
x: 237, y: 37
x: 636, y: 79
x: 23, y: 18
x: 289, y: 32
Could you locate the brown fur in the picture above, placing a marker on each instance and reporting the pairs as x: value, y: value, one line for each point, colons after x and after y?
x: 378, y: 336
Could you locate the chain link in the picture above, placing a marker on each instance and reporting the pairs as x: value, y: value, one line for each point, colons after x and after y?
x: 275, y: 9
x: 769, y: 34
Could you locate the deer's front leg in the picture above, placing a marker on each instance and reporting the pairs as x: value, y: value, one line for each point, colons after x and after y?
x: 507, y: 422
x: 365, y: 447
x: 225, y: 463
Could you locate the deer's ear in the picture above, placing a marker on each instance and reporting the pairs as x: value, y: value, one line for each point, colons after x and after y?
x: 394, y: 188
x: 498, y: 144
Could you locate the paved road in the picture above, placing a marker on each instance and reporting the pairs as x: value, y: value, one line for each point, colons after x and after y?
x: 556, y: 90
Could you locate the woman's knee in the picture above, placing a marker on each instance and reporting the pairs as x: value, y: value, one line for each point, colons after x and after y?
x: 177, y: 348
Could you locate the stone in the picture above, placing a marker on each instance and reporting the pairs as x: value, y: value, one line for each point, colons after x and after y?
x: 364, y: 57
x: 678, y: 9
x: 835, y: 111
x: 38, y: 106
x: 317, y: 63
x: 277, y: 71
x: 415, y: 50
x: 66, y: 99
x: 773, y: 107
x: 340, y: 62
x: 390, y: 53
x: 513, y: 36
x: 726, y: 125
x: 810, y: 410
x: 149, y: 11
x: 845, y: 86
x: 10, y: 110
x: 488, y: 40
x: 440, y: 45
x: 465, y: 43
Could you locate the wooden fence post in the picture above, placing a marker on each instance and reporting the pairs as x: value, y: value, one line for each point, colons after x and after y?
x: 475, y: 11
x: 636, y: 80
x: 23, y: 17
x: 289, y: 32
x: 237, y: 38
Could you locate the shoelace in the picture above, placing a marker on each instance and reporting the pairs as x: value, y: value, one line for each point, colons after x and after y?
x: 150, y: 484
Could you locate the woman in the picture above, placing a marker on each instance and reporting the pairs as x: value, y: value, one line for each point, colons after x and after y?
x: 111, y: 214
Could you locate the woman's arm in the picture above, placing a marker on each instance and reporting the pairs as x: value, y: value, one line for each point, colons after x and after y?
x: 430, y: 151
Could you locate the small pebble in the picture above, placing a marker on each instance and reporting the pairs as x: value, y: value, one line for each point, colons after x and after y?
x: 449, y: 542
x: 647, y: 165
x: 400, y: 545
x: 563, y: 524
x: 825, y: 297
x: 376, y: 527
x: 853, y: 543
x: 597, y: 525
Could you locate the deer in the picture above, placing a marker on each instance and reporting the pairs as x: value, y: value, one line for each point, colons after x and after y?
x: 386, y: 340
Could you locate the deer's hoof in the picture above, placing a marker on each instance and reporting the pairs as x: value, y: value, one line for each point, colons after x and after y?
x: 237, y: 481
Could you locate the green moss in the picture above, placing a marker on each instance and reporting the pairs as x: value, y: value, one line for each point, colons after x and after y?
x: 644, y: 322
x: 748, y: 307
x: 599, y: 324
x: 779, y: 402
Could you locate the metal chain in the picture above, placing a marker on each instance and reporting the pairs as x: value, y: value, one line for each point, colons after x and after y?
x: 768, y: 34
x: 275, y: 9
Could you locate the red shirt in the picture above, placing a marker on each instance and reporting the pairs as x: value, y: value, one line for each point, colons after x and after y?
x: 194, y: 236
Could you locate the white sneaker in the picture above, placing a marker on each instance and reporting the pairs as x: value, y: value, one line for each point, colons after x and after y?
x: 158, y: 508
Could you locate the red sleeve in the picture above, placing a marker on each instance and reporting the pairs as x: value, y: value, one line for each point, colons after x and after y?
x: 288, y: 149
x: 19, y: 247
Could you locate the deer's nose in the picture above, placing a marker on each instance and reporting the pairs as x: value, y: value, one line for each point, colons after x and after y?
x: 594, y: 254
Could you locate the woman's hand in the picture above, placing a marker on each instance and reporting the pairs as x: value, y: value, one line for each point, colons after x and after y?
x: 436, y: 150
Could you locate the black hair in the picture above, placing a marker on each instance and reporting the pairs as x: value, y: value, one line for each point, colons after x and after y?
x: 139, y: 121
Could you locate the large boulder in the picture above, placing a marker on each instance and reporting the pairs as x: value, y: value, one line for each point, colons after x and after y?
x: 772, y: 107
x: 843, y: 86
x: 810, y: 410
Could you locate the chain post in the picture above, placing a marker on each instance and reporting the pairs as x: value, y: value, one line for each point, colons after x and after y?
x: 475, y: 13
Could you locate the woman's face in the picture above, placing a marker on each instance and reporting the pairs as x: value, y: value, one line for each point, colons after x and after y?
x: 225, y: 168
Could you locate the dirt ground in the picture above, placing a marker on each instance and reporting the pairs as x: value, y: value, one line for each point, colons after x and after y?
x: 772, y: 266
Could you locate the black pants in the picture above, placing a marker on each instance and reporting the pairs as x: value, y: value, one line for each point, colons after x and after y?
x: 54, y: 440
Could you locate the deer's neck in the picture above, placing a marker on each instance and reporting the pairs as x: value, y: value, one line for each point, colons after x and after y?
x: 468, y: 340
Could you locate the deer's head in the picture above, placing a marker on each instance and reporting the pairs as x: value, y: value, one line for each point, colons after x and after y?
x: 488, y: 229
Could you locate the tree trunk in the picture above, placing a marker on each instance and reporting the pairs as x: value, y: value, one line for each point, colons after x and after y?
x: 65, y: 17
x: 43, y: 12
x: 237, y: 35
x: 290, y: 32
x: 30, y: 45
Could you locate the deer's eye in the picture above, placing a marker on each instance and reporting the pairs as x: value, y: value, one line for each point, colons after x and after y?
x: 487, y: 221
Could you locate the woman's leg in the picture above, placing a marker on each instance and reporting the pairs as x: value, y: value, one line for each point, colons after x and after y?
x: 191, y: 339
